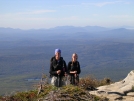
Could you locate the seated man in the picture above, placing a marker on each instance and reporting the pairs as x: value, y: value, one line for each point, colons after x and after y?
x: 57, y: 69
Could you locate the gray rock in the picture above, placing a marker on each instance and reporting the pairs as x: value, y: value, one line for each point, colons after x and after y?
x: 130, y: 94
x: 118, y: 91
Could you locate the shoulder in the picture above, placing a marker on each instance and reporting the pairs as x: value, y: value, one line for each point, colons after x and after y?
x: 77, y: 62
x: 52, y: 58
x: 61, y: 58
x: 70, y: 62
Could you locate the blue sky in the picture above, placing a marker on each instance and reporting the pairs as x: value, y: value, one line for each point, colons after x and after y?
x: 36, y: 14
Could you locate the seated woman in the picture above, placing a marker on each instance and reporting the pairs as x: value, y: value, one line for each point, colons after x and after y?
x: 74, y: 69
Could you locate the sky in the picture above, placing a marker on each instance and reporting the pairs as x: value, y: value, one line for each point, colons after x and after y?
x: 44, y: 14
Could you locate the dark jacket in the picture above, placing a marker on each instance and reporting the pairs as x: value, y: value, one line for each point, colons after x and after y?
x: 57, y: 65
x: 74, y: 66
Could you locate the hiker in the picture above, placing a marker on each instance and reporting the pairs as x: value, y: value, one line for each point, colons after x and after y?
x: 57, y: 69
x: 74, y: 69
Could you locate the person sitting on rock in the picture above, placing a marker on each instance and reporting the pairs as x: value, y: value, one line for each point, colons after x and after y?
x: 57, y: 69
x: 74, y: 69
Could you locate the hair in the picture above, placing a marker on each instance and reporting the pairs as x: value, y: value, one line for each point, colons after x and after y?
x: 76, y: 59
x: 76, y: 56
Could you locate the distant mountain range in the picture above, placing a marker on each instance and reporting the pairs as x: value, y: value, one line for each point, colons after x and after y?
x: 68, y: 32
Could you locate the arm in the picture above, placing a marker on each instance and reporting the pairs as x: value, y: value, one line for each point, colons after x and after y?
x: 78, y: 70
x: 52, y: 71
x: 69, y: 67
x: 73, y: 72
x: 65, y: 67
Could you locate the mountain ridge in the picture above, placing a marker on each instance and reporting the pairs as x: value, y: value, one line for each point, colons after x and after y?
x: 68, y: 32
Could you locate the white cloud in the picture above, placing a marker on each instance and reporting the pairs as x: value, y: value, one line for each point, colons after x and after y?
x: 37, y: 12
x: 70, y: 5
x: 96, y: 15
x: 100, y: 4
x: 127, y: 2
x: 23, y: 15
x: 36, y: 19
x: 28, y: 12
x: 70, y: 18
x: 119, y: 16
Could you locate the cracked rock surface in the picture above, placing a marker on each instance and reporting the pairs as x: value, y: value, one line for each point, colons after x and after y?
x: 118, y: 91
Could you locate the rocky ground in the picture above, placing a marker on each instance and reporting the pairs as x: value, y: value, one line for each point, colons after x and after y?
x: 82, y: 96
x: 118, y: 91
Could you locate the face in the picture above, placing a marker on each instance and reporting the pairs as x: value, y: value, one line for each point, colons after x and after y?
x: 57, y: 56
x: 74, y: 57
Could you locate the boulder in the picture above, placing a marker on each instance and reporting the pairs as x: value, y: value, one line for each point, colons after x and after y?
x: 118, y: 91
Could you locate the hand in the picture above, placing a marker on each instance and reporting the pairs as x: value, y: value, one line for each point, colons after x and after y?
x: 58, y: 72
x: 75, y: 72
x: 65, y: 74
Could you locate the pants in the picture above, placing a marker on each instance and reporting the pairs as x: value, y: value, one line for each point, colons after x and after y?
x: 74, y: 80
x: 57, y: 81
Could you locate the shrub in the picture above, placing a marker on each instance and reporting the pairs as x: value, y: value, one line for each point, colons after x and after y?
x: 90, y: 83
x: 65, y: 93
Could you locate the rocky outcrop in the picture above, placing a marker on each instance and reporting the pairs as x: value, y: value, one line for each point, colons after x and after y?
x: 118, y: 91
x: 58, y: 95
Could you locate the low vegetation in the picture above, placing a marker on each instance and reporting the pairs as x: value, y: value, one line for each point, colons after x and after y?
x: 46, y: 92
x: 26, y: 59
